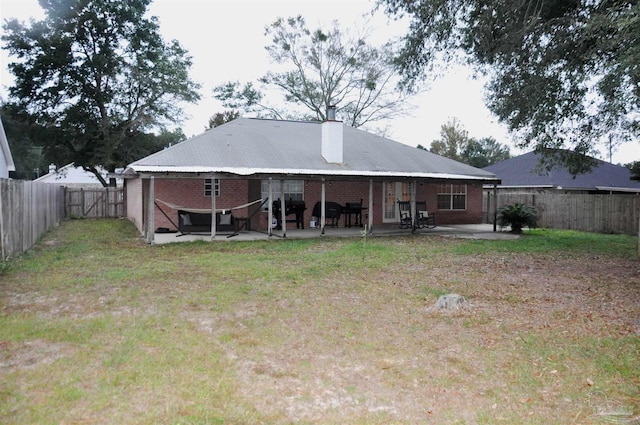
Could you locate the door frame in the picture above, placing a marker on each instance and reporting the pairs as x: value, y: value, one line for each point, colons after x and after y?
x: 402, y: 192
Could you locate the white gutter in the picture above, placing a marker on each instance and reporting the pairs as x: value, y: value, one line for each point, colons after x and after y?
x: 524, y: 186
x: 345, y: 173
x: 618, y: 189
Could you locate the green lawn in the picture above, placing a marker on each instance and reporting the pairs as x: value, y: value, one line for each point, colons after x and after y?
x: 97, y: 327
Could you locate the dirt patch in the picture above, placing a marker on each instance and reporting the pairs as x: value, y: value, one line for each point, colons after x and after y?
x: 30, y: 354
x: 342, y: 345
x: 376, y: 348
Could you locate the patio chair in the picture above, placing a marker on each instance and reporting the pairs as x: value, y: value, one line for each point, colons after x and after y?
x: 404, y: 208
x: 424, y: 219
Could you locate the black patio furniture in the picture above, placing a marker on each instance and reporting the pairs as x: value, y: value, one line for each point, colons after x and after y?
x: 404, y: 208
x: 353, y: 210
x: 193, y: 222
x: 332, y: 211
x: 291, y: 207
x: 424, y: 218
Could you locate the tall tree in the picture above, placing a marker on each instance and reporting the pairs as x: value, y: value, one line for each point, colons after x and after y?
x: 101, y: 75
x: 455, y: 143
x: 220, y: 118
x: 483, y: 152
x: 634, y: 167
x: 453, y: 140
x: 322, y: 68
x: 21, y: 135
x: 562, y: 73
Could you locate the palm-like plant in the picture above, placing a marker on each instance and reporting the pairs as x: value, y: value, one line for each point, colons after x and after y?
x: 517, y: 216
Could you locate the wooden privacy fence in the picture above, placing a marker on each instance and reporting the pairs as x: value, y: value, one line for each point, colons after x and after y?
x: 106, y: 202
x: 601, y: 213
x: 27, y: 210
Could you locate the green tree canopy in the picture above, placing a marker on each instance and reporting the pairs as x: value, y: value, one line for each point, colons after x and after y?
x: 455, y: 143
x: 634, y: 167
x: 563, y: 74
x: 483, y: 152
x: 27, y: 155
x: 98, y: 75
x: 453, y: 140
x: 220, y: 118
x: 322, y: 68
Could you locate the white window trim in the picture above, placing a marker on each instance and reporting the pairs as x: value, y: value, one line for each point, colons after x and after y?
x: 451, y: 195
x: 276, y: 190
x: 207, y: 182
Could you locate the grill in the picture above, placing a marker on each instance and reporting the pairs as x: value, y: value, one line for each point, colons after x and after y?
x: 291, y: 207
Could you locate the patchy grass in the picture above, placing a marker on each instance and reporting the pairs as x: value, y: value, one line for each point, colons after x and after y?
x: 97, y: 327
x: 565, y: 242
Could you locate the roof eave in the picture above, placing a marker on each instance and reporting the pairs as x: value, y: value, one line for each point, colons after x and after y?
x: 307, y: 172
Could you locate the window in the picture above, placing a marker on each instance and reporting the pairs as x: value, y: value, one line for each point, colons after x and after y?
x: 452, y: 197
x: 293, y: 189
x: 207, y: 187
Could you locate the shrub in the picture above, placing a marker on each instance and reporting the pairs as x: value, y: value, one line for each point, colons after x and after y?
x: 517, y: 216
x: 4, y: 266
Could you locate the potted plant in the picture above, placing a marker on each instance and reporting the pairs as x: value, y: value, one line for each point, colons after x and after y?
x: 517, y: 216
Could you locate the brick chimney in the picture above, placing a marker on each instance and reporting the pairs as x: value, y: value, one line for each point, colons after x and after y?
x: 332, y: 137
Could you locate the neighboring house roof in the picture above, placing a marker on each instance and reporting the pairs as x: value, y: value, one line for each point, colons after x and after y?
x: 251, y: 146
x: 521, y: 171
x: 70, y: 175
x: 6, y: 160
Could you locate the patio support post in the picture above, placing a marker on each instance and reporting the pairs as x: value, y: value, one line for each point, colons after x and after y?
x: 213, y: 207
x: 283, y: 213
x: 270, y: 208
x: 370, y: 215
x: 412, y: 191
x: 322, y: 207
x: 151, y: 217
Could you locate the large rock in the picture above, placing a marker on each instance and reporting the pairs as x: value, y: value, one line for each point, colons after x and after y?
x: 452, y: 302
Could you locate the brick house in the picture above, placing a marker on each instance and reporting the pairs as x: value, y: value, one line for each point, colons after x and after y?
x: 234, y: 167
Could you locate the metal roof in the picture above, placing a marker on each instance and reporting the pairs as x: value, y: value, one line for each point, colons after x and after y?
x: 251, y: 146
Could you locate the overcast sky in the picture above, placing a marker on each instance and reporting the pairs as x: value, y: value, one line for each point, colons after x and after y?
x: 226, y: 40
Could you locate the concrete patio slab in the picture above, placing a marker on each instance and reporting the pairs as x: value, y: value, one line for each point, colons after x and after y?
x: 465, y: 231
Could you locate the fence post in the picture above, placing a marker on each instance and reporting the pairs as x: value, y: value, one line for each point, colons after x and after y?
x: 495, y: 207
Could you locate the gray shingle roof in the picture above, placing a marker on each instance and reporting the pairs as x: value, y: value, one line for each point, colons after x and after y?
x: 249, y: 146
x: 521, y: 171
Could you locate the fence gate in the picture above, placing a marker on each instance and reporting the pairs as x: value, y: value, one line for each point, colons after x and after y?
x: 107, y: 202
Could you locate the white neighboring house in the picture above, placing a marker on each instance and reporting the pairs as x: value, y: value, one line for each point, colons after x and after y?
x: 73, y: 177
x: 6, y: 160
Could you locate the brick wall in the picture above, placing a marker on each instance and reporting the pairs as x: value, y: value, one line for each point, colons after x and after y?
x: 473, y: 213
x: 189, y: 193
